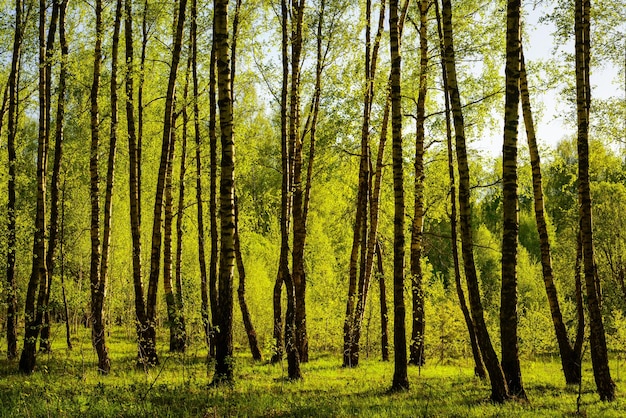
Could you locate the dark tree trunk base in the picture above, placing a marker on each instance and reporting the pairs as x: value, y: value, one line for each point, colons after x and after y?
x: 28, y: 358
x: 147, y: 355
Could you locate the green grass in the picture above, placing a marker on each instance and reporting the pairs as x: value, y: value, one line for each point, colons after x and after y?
x: 67, y: 384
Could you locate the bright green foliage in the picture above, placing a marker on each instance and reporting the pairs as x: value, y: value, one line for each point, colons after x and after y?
x: 446, y: 384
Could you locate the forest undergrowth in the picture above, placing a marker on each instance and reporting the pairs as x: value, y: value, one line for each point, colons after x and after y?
x: 66, y: 383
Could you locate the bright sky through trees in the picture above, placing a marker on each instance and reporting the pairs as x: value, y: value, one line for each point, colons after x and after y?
x: 555, y: 120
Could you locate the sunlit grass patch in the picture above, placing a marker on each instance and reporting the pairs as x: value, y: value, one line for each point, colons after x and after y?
x: 66, y: 383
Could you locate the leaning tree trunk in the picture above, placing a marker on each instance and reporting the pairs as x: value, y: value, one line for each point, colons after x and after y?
x: 499, y: 389
x: 597, y: 338
x: 417, y: 231
x: 224, y: 322
x: 253, y: 341
x: 510, y: 224
x: 479, y: 366
x: 13, y: 111
x: 167, y: 144
x: 400, y: 376
x: 570, y: 359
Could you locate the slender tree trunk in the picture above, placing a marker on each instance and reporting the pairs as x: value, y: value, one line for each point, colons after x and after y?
x: 384, y: 335
x: 44, y: 292
x: 224, y: 336
x: 68, y: 336
x: 570, y: 360
x: 302, y: 194
x: 479, y: 366
x: 417, y: 230
x: 13, y: 111
x: 134, y: 152
x: 241, y: 293
x: 285, y: 199
x: 372, y: 239
x: 597, y: 338
x: 580, y: 306
x: 38, y: 282
x: 213, y: 262
x: 277, y: 334
x: 140, y: 105
x: 168, y: 221
x: 499, y: 389
x: 510, y: 228
x: 293, y: 357
x: 108, y: 200
x: 180, y: 341
x: 299, y: 227
x: 45, y: 345
x: 177, y: 336
x: 241, y: 290
x: 287, y: 149
x: 98, y: 292
x: 204, y: 310
x: 5, y: 99
x: 362, y: 240
x: 350, y: 354
x: 167, y: 144
x: 400, y: 377
x: 97, y: 334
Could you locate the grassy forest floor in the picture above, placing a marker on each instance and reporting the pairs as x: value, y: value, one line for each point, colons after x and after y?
x: 67, y: 384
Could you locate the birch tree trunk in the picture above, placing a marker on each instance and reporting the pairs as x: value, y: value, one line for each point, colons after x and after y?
x: 499, y: 389
x: 479, y: 366
x: 166, y: 150
x: 510, y: 228
x: 597, y: 338
x: 570, y: 358
x: 38, y: 282
x: 12, y: 126
x: 417, y: 230
x: 400, y: 376
x: 224, y: 337
x: 213, y: 215
x: 204, y: 294
x: 361, y: 256
x: 45, y: 345
x: 384, y: 333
